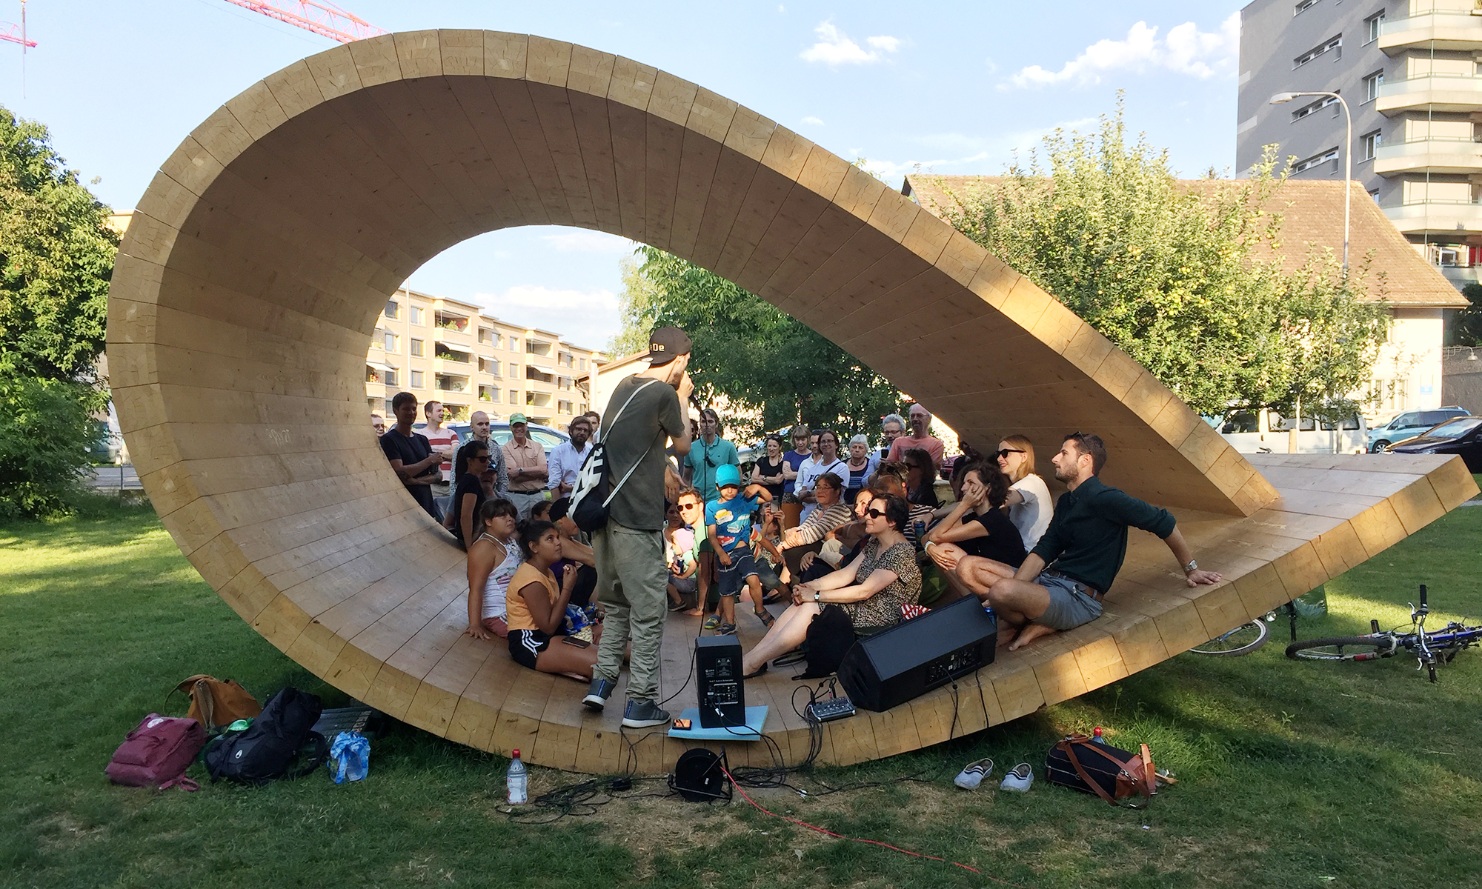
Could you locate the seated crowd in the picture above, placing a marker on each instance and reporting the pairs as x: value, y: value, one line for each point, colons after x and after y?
x: 855, y: 542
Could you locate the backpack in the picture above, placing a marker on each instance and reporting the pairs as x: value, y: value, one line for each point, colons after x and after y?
x: 1111, y: 773
x: 216, y: 703
x: 273, y: 745
x: 157, y: 753
x: 594, y: 490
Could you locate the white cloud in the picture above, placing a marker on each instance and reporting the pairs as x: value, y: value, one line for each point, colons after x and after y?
x: 577, y: 240
x: 587, y: 318
x: 1185, y: 50
x: 812, y: 121
x: 834, y: 47
x: 965, y: 153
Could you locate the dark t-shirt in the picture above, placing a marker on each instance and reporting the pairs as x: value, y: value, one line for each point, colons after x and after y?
x: 411, y: 449
x: 468, y: 484
x: 1003, y: 543
x: 769, y: 469
x: 641, y: 426
x: 794, y: 459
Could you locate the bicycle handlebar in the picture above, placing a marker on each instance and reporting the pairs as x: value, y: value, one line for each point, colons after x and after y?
x: 1422, y: 597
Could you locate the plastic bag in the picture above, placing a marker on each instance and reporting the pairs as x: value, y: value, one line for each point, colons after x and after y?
x: 349, y: 757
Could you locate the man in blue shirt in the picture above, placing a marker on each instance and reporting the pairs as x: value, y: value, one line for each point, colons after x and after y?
x: 1063, y: 580
x: 707, y: 455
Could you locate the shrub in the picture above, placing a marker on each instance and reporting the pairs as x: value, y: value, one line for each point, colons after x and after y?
x: 45, y: 429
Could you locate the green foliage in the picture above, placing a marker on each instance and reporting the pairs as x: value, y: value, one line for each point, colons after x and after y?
x: 759, y: 358
x: 1466, y: 325
x: 1175, y: 276
x: 56, y: 256
x: 45, y: 428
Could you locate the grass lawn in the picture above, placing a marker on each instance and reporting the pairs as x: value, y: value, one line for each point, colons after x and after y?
x: 1291, y: 774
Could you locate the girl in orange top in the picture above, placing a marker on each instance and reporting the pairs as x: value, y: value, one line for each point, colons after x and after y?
x: 536, y: 609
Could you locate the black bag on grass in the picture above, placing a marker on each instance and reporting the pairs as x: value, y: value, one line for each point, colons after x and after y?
x: 1117, y: 776
x: 279, y: 743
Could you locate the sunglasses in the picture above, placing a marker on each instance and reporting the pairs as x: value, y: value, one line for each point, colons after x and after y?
x: 874, y: 513
x: 1003, y: 453
x: 484, y: 457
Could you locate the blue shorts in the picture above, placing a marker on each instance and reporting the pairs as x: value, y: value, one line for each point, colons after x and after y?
x: 1071, y: 602
x: 733, y: 578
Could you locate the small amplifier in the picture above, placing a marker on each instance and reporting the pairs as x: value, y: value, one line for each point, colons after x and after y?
x: 833, y: 708
x: 718, y: 683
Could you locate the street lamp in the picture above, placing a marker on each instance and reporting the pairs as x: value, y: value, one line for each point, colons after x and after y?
x: 1282, y: 99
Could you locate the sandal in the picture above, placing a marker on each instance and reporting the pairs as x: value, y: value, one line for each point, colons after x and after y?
x: 755, y: 673
x: 765, y: 617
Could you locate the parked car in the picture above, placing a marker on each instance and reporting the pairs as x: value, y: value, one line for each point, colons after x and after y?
x: 1410, y: 424
x: 107, y: 445
x: 1461, y: 436
x: 545, y: 436
x: 1267, y: 431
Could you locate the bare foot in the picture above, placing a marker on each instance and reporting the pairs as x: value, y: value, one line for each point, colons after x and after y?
x: 1031, y: 633
x: 695, y: 612
x: 1006, y: 633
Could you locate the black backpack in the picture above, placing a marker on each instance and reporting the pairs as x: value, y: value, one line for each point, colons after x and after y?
x: 279, y: 743
x: 595, y: 490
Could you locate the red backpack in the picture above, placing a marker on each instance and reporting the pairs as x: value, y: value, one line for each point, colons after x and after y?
x: 157, y: 753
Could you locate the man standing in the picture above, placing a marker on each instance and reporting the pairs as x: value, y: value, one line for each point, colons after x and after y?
x: 526, y: 464
x: 596, y: 421
x: 630, y: 548
x: 566, y: 459
x: 378, y: 423
x: 891, y: 428
x: 707, y: 455
x: 441, y: 438
x: 409, y: 453
x: 1063, y: 580
x: 478, y: 423
x: 920, y: 437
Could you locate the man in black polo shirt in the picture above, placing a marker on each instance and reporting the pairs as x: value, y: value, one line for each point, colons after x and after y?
x: 409, y: 453
x: 1061, y: 583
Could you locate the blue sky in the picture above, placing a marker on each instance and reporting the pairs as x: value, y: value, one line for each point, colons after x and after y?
x: 946, y: 87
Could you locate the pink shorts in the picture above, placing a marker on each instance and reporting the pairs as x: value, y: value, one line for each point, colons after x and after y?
x: 497, y: 626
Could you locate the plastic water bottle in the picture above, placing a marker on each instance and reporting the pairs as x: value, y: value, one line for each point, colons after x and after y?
x: 515, y: 780
x: 1095, y: 737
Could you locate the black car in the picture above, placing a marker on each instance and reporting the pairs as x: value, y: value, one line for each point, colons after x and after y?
x: 1462, y: 437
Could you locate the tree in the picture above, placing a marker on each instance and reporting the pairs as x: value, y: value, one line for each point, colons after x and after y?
x: 56, y: 257
x: 1466, y: 325
x: 763, y: 361
x: 1179, y: 277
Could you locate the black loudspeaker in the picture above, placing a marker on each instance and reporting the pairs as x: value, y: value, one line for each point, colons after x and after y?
x: 718, y: 682
x: 699, y: 776
x: 912, y: 658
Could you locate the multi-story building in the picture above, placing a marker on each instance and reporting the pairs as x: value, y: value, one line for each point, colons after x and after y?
x: 1410, y: 72
x: 437, y: 348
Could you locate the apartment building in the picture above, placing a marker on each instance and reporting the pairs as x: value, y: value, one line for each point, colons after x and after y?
x: 1410, y: 72
x: 443, y: 349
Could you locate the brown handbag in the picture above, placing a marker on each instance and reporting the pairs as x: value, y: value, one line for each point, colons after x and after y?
x: 216, y: 703
x: 1111, y: 773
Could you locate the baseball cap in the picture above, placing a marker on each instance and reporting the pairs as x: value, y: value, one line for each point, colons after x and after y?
x: 515, y: 419
x: 727, y: 475
x: 667, y: 344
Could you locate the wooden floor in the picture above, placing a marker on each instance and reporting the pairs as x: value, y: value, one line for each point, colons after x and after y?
x: 256, y: 264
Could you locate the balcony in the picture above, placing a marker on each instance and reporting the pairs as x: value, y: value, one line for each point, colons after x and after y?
x: 1443, y: 30
x: 1451, y: 218
x: 1438, y: 155
x: 1437, y: 92
x: 452, y: 329
x: 540, y: 348
x: 538, y: 399
x: 449, y: 383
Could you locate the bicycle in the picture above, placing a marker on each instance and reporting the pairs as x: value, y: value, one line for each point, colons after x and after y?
x: 1430, y: 648
x: 1253, y: 634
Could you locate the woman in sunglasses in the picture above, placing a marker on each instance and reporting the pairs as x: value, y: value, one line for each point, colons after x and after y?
x: 468, y: 496
x: 870, y: 588
x: 1030, y: 507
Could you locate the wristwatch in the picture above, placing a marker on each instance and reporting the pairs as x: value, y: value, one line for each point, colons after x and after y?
x: 816, y: 599
x: 1191, y: 567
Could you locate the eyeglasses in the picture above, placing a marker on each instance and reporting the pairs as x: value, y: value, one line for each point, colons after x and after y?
x: 874, y: 513
x: 689, y: 506
x: 1003, y: 453
x: 484, y: 457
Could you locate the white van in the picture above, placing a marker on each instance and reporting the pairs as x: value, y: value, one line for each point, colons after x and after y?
x: 1267, y: 432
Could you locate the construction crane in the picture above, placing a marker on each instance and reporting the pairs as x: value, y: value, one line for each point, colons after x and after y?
x: 13, y: 33
x: 324, y: 19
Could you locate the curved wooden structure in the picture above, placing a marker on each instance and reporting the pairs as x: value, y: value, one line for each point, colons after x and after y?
x: 255, y: 266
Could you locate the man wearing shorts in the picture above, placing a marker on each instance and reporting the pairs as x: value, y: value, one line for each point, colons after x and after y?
x: 1061, y: 583
x: 728, y: 527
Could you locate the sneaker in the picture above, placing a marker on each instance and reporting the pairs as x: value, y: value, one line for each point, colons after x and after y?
x: 725, y: 629
x: 973, y: 774
x: 711, y: 622
x: 644, y: 714
x: 598, y: 693
x: 1019, y: 778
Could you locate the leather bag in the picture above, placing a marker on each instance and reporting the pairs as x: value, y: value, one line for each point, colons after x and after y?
x: 215, y: 703
x: 1117, y: 776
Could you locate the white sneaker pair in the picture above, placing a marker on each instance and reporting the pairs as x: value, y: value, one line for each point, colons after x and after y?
x: 1019, y: 778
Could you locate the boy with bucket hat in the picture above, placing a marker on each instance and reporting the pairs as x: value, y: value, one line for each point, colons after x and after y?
x: 728, y: 525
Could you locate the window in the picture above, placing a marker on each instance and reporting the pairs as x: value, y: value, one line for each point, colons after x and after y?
x: 1302, y: 6
x: 389, y: 377
x: 417, y: 379
x: 1375, y: 195
x: 392, y: 307
x: 416, y: 315
x: 514, y: 397
x: 1320, y: 158
x: 417, y: 348
x: 1372, y: 25
x: 1372, y: 83
x: 390, y: 342
x: 1314, y: 107
x: 1334, y: 45
x: 583, y: 363
x: 514, y: 344
x: 514, y: 370
x: 1371, y: 145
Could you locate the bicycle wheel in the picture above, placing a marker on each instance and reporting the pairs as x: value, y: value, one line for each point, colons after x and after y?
x: 1341, y: 648
x: 1242, y: 640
